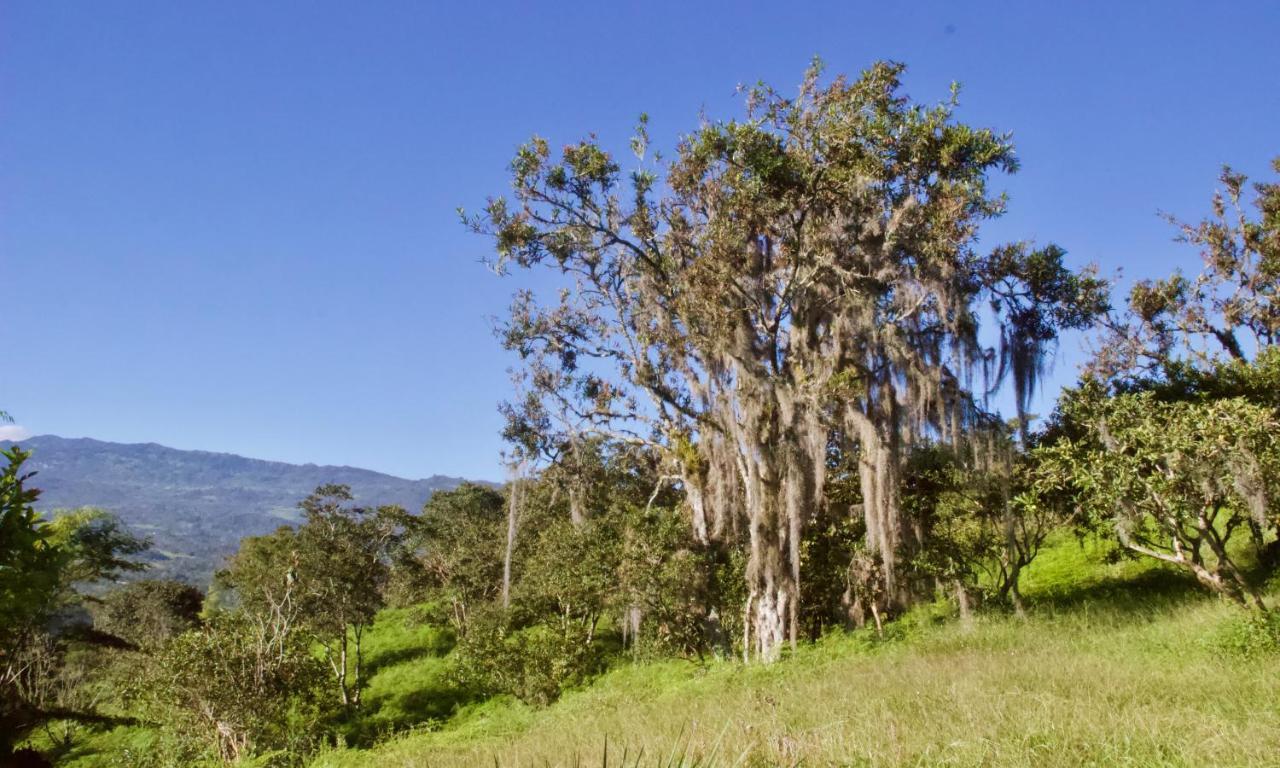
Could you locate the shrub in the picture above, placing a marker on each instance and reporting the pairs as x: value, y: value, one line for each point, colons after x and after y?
x: 235, y: 689
x: 1251, y: 636
x: 534, y: 664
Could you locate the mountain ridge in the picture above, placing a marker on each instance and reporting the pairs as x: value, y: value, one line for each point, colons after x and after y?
x: 194, y: 504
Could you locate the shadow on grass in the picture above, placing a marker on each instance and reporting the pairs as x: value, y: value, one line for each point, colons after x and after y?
x: 1099, y: 575
x: 426, y: 706
x: 414, y: 690
x: 395, y: 656
x: 1146, y: 594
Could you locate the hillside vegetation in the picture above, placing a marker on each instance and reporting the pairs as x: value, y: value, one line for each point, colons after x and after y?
x: 196, y: 505
x: 1118, y: 664
x: 760, y: 510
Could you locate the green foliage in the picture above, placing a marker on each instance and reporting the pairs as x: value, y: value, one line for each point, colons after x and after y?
x: 326, y: 579
x: 30, y: 562
x: 1110, y: 668
x: 236, y: 688
x: 946, y: 501
x: 149, y: 612
x: 533, y: 663
x: 44, y: 672
x: 571, y: 571
x: 1171, y: 480
x: 451, y: 554
x: 665, y: 589
x: 1251, y: 636
x: 830, y: 543
x: 95, y: 546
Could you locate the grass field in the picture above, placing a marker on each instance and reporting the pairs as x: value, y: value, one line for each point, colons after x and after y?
x: 1119, y: 664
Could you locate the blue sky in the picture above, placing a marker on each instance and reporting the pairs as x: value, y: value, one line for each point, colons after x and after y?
x: 231, y: 226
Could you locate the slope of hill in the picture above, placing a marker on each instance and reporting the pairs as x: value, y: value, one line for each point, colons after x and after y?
x: 1120, y: 662
x: 196, y: 505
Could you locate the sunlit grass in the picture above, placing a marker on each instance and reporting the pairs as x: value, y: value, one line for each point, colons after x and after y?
x: 1120, y: 663
x: 1117, y: 665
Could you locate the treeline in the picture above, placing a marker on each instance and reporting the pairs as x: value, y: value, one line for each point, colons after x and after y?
x: 756, y: 410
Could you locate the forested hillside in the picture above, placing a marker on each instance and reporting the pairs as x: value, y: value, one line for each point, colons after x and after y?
x: 196, y: 505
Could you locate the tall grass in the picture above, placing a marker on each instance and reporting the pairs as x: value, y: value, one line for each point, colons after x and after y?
x: 1118, y: 665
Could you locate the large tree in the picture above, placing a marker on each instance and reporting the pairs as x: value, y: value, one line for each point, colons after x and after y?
x: 810, y: 269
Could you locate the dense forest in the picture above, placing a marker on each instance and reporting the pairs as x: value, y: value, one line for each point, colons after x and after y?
x: 754, y: 411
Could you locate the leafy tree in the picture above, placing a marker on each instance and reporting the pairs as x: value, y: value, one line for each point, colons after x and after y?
x: 1171, y: 480
x: 944, y: 500
x: 534, y: 663
x: 41, y: 565
x: 96, y: 547
x: 327, y: 578
x: 664, y: 584
x: 30, y: 563
x: 452, y: 552
x: 343, y: 569
x: 807, y: 269
x: 571, y: 574
x: 1180, y: 326
x: 28, y: 580
x: 149, y: 612
x: 1210, y: 337
x: 235, y: 688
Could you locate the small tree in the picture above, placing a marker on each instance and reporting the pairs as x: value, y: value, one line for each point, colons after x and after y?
x: 452, y: 552
x: 1171, y: 480
x: 327, y: 578
x: 663, y: 584
x: 944, y: 499
x: 30, y: 571
x: 571, y: 574
x: 149, y: 612
x: 42, y: 564
x: 343, y: 566
x: 236, y: 688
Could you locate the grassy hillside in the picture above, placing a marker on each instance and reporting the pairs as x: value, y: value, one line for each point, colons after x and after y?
x: 1120, y: 663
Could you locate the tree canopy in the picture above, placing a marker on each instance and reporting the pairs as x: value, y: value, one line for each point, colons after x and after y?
x: 810, y: 269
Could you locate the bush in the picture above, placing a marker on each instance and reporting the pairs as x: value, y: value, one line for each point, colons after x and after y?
x: 1251, y: 636
x: 148, y: 612
x: 234, y: 689
x: 534, y: 664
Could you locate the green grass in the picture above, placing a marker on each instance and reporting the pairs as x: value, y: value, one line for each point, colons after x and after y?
x: 1119, y: 664
x: 101, y: 747
x: 406, y: 668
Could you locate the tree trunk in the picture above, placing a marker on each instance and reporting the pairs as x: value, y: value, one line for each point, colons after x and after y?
x: 358, y: 631
x: 342, y: 669
x: 769, y: 618
x: 513, y: 508
x: 771, y: 574
x: 962, y: 601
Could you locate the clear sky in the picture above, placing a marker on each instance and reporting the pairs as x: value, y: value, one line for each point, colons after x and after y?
x: 231, y: 225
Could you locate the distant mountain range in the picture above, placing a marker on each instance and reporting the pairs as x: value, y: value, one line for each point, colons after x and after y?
x: 196, y: 505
